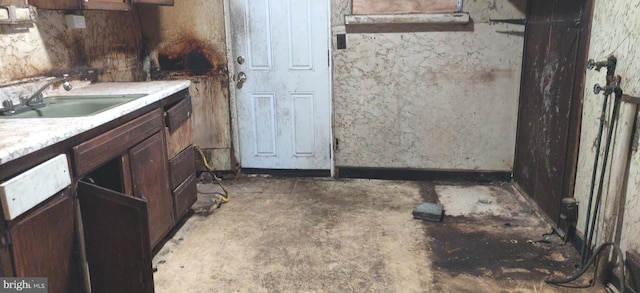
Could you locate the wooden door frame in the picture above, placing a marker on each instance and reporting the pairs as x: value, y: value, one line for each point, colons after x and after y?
x: 575, y: 117
x: 233, y: 98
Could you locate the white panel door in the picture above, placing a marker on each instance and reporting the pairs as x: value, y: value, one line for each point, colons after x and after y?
x: 284, y: 117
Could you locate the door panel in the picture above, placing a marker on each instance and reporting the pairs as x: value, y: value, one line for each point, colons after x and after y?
x: 300, y: 40
x: 303, y: 122
x: 264, y: 124
x: 545, y: 152
x: 117, y: 240
x: 284, y: 106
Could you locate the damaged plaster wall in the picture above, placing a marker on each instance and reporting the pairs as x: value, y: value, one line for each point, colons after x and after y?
x: 111, y: 44
x: 434, y: 100
x: 187, y: 41
x: 615, y: 31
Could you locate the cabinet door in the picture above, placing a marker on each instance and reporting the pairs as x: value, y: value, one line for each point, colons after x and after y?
x: 43, y: 242
x: 149, y: 173
x: 116, y: 235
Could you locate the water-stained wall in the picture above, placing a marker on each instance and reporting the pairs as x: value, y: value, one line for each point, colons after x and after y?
x: 187, y: 41
x: 111, y: 45
x: 445, y: 98
x: 615, y: 31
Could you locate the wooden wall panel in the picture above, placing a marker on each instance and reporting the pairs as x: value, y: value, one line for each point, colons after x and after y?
x: 546, y: 136
x: 210, y: 117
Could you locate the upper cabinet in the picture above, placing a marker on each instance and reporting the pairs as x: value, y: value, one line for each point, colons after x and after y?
x: 95, y: 4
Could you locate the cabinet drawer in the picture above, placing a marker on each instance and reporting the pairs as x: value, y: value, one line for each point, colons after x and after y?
x: 179, y: 139
x: 178, y: 131
x: 113, y: 143
x: 182, y: 166
x: 178, y: 114
x: 25, y: 191
x: 185, y: 196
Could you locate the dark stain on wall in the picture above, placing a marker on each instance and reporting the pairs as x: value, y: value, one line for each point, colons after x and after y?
x: 193, y: 61
x: 192, y: 57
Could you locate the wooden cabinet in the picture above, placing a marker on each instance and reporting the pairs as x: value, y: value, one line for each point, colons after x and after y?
x: 134, y: 179
x: 44, y: 242
x: 127, y: 207
x: 138, y: 149
x: 134, y: 176
x: 94, y: 4
x: 180, y: 153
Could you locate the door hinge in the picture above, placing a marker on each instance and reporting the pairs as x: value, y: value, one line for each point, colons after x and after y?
x: 328, y: 58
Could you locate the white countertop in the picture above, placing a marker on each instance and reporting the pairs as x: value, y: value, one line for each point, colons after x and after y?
x: 23, y: 136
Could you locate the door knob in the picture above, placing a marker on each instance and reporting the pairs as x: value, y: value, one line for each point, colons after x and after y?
x: 242, y: 77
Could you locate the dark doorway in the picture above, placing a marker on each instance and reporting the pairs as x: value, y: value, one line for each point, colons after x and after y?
x: 551, y: 93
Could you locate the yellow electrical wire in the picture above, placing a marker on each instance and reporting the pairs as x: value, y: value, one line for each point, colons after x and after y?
x: 223, y: 197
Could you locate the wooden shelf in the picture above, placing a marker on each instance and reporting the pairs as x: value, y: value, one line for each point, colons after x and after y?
x: 404, y: 22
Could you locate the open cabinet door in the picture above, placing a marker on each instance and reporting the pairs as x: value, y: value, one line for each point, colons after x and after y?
x: 116, y: 232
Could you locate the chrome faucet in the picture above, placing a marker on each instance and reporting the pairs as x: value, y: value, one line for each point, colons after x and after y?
x: 35, y: 101
x: 37, y: 96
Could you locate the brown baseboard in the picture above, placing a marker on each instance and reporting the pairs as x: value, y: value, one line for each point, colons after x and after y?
x: 421, y: 174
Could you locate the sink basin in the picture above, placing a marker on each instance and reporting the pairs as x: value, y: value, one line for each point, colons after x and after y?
x: 75, y: 106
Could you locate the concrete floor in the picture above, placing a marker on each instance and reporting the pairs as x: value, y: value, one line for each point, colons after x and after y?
x: 336, y: 235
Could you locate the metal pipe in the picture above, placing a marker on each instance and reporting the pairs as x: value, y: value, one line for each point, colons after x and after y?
x: 605, y: 159
x: 583, y: 253
x: 611, y: 64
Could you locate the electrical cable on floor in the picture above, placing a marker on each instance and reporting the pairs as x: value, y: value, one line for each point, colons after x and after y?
x: 224, y: 197
x: 590, y: 262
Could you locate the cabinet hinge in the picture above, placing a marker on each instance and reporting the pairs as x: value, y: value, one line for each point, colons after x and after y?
x: 5, y: 238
